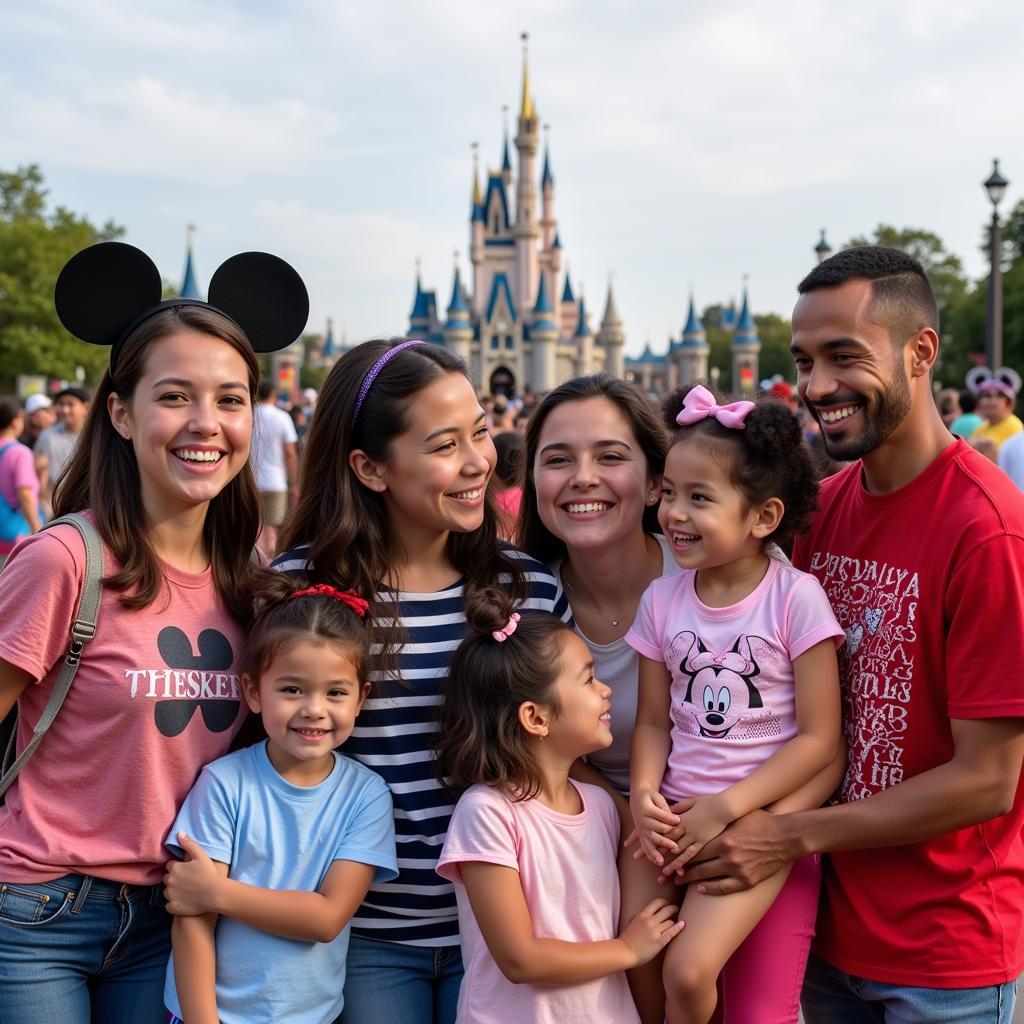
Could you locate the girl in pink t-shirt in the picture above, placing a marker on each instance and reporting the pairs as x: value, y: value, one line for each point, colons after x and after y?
x: 532, y: 853
x: 738, y: 696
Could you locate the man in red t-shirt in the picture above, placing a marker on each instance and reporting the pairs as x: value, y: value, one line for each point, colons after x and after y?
x: 919, y: 544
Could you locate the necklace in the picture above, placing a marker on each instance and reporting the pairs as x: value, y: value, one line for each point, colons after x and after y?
x: 573, y: 590
x: 616, y: 622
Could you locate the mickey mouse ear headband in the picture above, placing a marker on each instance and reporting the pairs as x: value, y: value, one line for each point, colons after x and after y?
x: 105, y: 292
x: 1006, y: 381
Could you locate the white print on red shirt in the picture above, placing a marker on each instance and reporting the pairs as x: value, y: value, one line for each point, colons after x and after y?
x: 875, y: 603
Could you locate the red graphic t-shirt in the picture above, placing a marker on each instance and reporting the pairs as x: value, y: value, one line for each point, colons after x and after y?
x: 928, y: 585
x: 156, y: 697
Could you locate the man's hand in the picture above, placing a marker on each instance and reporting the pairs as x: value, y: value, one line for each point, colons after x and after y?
x: 750, y: 850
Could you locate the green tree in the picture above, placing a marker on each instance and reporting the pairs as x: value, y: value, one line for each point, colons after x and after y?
x: 776, y: 335
x: 944, y: 269
x: 960, y: 336
x: 34, y: 245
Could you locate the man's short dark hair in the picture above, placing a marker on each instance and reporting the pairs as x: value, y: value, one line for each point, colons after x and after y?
x: 903, y: 297
x: 264, y: 389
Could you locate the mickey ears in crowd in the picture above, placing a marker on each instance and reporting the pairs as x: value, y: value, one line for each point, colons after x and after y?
x: 105, y: 291
x: 1006, y: 381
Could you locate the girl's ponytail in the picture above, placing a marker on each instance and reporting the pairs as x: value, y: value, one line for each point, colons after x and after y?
x: 507, y: 658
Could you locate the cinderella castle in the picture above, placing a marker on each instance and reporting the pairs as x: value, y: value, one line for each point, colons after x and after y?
x: 518, y: 323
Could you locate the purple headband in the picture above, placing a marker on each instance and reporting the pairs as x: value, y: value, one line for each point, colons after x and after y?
x: 374, y: 371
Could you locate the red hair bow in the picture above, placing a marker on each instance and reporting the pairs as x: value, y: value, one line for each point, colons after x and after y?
x: 349, y: 597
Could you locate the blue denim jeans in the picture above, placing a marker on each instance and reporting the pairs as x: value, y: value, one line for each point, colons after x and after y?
x: 79, y: 949
x: 832, y: 996
x: 399, y: 984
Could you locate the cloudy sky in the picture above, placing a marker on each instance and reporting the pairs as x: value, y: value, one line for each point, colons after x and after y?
x: 691, y: 143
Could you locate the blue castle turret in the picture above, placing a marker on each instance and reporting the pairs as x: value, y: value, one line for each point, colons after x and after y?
x: 189, y: 284
x: 745, y: 347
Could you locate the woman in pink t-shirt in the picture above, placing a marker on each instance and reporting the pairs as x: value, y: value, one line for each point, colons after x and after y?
x: 530, y: 852
x: 738, y: 703
x: 162, y: 471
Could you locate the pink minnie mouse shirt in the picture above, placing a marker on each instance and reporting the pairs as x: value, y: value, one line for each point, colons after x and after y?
x: 732, y: 701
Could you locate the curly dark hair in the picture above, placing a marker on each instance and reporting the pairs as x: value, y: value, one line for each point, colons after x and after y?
x: 903, y: 297
x: 479, y: 737
x: 766, y: 459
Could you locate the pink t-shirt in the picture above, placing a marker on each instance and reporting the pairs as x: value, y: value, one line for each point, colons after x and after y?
x: 17, y: 470
x: 156, y: 697
x: 566, y: 864
x: 732, y: 701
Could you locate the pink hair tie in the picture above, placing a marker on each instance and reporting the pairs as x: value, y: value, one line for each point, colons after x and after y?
x: 501, y: 635
x: 349, y: 597
x: 699, y: 404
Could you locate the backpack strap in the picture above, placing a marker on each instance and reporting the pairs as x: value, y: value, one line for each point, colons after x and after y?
x: 83, y: 629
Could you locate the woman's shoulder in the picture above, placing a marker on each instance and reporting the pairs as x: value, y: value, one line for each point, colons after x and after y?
x: 527, y: 563
x: 56, y: 552
x: 295, y: 559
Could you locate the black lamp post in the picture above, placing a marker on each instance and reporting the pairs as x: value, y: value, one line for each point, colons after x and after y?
x: 995, y: 185
x: 822, y: 250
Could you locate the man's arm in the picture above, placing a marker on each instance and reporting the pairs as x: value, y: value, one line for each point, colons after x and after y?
x: 42, y: 463
x: 291, y: 468
x: 978, y: 783
x: 29, y: 508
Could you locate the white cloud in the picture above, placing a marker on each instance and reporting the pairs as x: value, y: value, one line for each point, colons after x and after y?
x: 690, y: 143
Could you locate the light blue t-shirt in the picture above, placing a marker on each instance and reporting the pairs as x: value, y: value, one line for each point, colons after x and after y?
x: 279, y: 836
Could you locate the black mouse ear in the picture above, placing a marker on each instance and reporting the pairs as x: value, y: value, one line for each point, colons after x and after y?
x: 264, y: 295
x: 103, y: 288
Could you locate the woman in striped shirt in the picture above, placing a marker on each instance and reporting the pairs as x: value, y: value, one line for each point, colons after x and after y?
x: 394, y: 504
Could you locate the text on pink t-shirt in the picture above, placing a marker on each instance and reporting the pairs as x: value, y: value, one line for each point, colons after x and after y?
x: 156, y: 697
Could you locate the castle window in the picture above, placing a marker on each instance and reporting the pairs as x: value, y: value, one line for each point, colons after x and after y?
x: 494, y: 341
x: 508, y: 341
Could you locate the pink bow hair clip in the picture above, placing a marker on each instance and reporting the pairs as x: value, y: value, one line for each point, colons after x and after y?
x: 699, y: 404
x: 501, y: 635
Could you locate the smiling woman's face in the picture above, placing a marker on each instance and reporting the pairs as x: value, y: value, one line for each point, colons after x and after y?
x: 591, y: 474
x: 436, y: 476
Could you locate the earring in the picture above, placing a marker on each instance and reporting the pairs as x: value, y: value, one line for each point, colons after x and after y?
x: 651, y: 501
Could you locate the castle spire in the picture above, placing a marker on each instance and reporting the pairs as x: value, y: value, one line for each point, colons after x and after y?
x: 547, y: 178
x: 526, y: 105
x: 189, y: 284
x: 477, y: 196
x: 506, y: 159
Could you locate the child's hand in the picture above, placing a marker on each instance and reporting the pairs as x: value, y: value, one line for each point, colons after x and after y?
x: 652, y: 930
x: 652, y: 818
x: 705, y: 819
x: 190, y: 885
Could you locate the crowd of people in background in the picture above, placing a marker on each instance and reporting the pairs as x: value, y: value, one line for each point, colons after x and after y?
x: 582, y: 707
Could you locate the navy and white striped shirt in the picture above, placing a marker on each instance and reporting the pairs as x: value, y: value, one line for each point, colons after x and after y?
x: 394, y: 735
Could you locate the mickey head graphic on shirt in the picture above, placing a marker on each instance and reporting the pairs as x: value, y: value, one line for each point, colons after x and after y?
x: 721, y: 696
x: 215, y: 656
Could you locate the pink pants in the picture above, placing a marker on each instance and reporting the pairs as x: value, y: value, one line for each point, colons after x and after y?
x: 761, y: 982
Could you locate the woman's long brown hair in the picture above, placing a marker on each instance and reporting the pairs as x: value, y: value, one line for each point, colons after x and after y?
x: 103, y: 475
x: 344, y: 523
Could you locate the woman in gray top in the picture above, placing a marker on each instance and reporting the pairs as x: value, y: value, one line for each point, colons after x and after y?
x: 595, y: 451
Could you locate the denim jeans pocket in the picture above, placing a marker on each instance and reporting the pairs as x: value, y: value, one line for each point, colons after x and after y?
x: 32, y: 905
